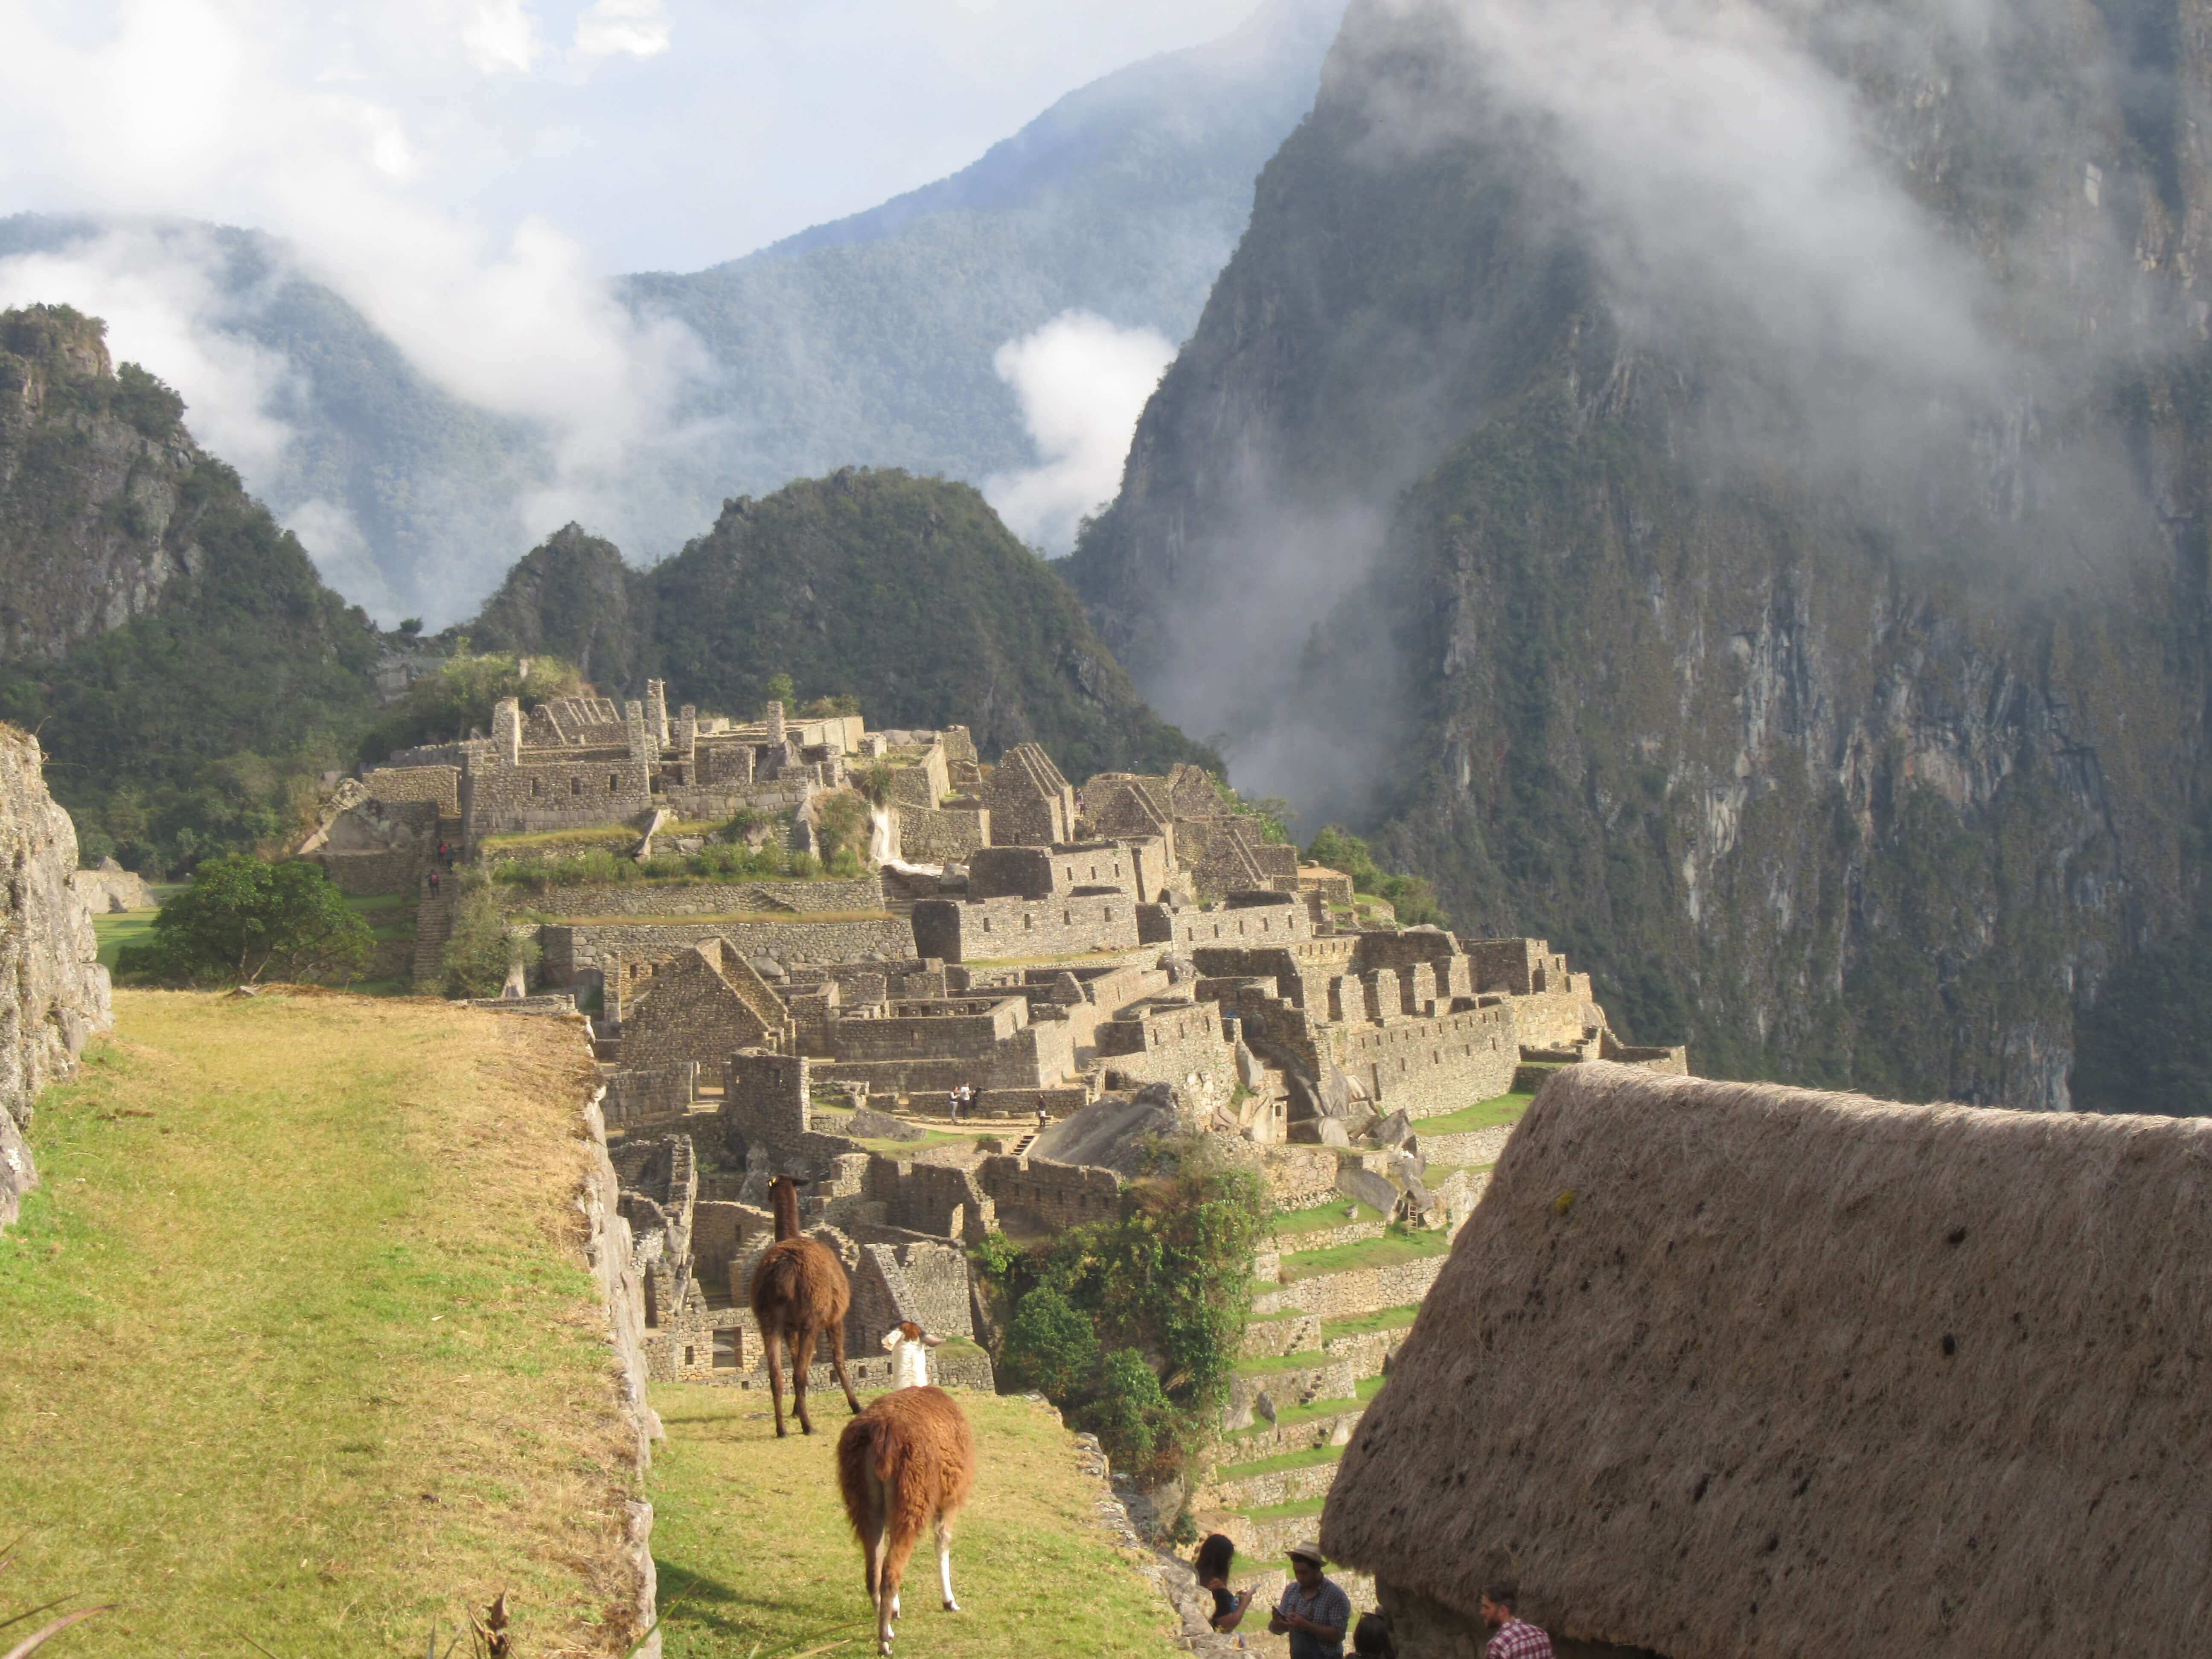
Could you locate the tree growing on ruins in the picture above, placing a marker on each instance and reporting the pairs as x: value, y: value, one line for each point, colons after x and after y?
x: 481, y: 949
x: 1168, y: 1284
x: 1410, y: 897
x: 447, y: 706
x: 243, y: 920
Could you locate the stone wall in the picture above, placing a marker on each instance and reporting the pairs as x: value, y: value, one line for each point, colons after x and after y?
x: 1055, y: 1196
x: 960, y: 930
x: 942, y: 834
x: 1431, y: 1066
x: 1249, y: 928
x: 703, y: 898
x: 939, y: 1199
x: 1357, y: 1291
x: 571, y: 946
x: 53, y: 992
x: 441, y: 784
x: 649, y: 1093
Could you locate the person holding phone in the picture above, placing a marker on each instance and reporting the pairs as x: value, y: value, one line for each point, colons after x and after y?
x: 1215, y: 1556
x: 1314, y: 1611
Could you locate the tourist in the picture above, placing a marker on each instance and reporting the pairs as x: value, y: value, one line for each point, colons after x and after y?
x: 434, y: 883
x: 1371, y: 1636
x: 1514, y: 1640
x: 1211, y: 1564
x: 1044, y: 1118
x: 1314, y: 1611
x: 952, y: 1101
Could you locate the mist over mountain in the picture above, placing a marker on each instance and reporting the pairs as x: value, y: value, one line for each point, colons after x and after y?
x: 894, y: 337
x: 1720, y: 485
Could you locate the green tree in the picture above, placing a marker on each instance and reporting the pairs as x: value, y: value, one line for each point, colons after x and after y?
x: 1133, y: 1418
x: 1050, y: 1347
x: 481, y: 948
x: 782, y: 690
x: 1410, y: 897
x: 243, y: 919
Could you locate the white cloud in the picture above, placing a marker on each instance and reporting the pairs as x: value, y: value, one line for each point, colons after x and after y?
x: 501, y: 38
x: 203, y: 107
x: 1082, y: 383
x: 613, y: 27
x: 164, y: 312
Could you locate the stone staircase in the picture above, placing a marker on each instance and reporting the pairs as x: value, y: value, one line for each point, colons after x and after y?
x: 434, y: 926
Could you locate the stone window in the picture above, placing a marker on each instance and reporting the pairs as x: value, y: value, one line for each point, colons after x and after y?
x: 1029, y: 921
x: 576, y: 785
x: 690, y: 1354
x: 725, y: 1349
x: 537, y: 786
x: 614, y: 782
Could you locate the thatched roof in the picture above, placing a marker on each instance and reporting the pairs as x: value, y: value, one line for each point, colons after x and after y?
x: 1731, y: 1370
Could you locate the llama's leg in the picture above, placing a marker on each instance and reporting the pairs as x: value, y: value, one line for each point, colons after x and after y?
x: 899, y: 1540
x: 837, y: 1357
x: 772, y: 1342
x: 945, y: 1560
x: 872, y: 1538
x: 802, y: 1361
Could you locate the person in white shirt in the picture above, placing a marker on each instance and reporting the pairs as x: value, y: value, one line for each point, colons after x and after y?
x: 908, y: 1347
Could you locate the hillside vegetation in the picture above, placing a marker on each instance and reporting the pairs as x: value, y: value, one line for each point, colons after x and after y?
x: 907, y: 593
x: 183, y: 667
x: 301, y: 1351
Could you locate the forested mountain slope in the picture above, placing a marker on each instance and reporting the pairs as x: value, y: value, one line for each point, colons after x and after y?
x: 906, y: 593
x: 173, y: 650
x: 1725, y: 492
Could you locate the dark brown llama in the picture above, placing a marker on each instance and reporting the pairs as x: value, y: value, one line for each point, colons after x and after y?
x: 907, y: 1460
x: 798, y: 1291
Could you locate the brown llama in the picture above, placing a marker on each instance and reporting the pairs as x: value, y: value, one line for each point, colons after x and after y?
x: 907, y: 1460
x: 798, y: 1291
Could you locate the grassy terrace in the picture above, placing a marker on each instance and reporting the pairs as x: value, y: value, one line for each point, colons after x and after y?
x: 1485, y: 1115
x: 1312, y: 1506
x: 1311, y: 1456
x: 298, y: 1345
x: 1384, y: 1319
x: 620, y: 835
x: 1388, y: 1251
x: 756, y: 1557
x: 1289, y: 1417
x: 727, y: 916
x: 829, y: 1120
x: 1324, y: 1217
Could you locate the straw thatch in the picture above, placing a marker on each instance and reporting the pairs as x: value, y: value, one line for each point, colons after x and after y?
x: 1729, y: 1369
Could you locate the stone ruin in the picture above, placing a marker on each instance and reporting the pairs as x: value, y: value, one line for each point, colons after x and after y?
x: 1107, y: 963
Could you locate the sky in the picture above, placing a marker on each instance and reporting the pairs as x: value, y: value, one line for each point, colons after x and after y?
x: 636, y: 134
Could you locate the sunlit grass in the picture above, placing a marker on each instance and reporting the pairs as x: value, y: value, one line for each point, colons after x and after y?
x: 755, y: 1557
x: 1485, y: 1115
x: 298, y: 1344
x: 1388, y: 1251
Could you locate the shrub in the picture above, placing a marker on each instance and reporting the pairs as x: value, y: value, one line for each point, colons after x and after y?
x: 243, y: 918
x: 1133, y: 1420
x: 1050, y: 1347
x: 1410, y: 897
x: 482, y: 948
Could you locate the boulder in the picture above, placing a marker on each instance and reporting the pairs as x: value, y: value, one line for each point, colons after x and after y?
x: 871, y: 1125
x: 1250, y: 1072
x: 1395, y: 1130
x: 1368, y: 1188
x: 1332, y: 1132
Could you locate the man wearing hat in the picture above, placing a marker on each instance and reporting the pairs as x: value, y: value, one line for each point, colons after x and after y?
x: 1313, y: 1611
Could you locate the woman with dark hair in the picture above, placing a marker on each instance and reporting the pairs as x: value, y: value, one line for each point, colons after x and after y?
x: 1215, y: 1556
x: 1371, y: 1637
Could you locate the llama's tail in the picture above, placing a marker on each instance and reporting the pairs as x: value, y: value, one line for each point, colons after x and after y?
x: 867, y: 1464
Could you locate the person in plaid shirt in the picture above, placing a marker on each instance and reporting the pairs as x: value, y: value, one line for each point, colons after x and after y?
x: 1514, y: 1640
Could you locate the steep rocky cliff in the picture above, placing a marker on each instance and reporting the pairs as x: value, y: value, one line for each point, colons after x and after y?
x: 173, y: 648
x: 1720, y: 485
x: 906, y: 593
x: 53, y: 992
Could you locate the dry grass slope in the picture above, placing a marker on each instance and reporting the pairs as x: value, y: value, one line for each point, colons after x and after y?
x: 300, y: 1347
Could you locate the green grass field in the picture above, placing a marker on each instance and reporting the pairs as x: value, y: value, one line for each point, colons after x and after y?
x: 1484, y: 1115
x: 1383, y: 1319
x: 757, y: 1560
x: 1385, y: 1252
x: 1290, y: 1417
x: 1296, y: 1460
x: 1324, y: 1217
x: 299, y: 1350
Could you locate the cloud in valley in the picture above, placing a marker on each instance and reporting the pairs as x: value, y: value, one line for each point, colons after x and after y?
x: 1082, y: 383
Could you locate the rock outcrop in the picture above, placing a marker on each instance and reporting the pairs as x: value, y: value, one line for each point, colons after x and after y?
x: 53, y: 992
